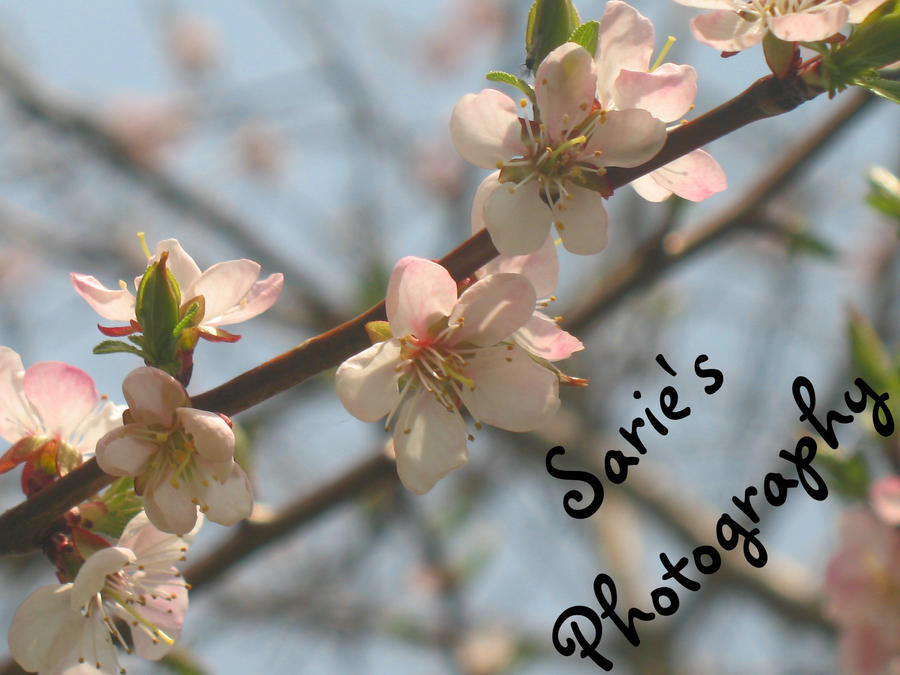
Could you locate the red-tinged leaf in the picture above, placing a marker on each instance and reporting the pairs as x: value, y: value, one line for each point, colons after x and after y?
x: 219, y: 336
x: 120, y: 331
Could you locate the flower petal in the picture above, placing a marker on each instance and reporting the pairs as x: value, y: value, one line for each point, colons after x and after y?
x: 582, y: 226
x: 179, y: 263
x: 726, y: 30
x: 517, y: 218
x: 511, y: 391
x: 367, y: 383
x: 261, y: 296
x: 211, y: 435
x: 17, y: 418
x: 565, y: 85
x: 420, y: 292
x: 885, y: 497
x: 227, y: 502
x: 153, y: 395
x: 626, y: 138
x: 648, y: 188
x: 112, y: 305
x: 122, y: 452
x: 43, y: 621
x: 860, y: 9
x: 667, y: 93
x: 807, y: 26
x: 165, y: 609
x: 223, y: 287
x: 107, y: 418
x: 625, y: 41
x: 485, y: 128
x: 543, y: 337
x: 170, y: 508
x: 61, y: 394
x: 492, y: 308
x: 694, y: 176
x: 541, y: 268
x: 151, y: 544
x: 429, y: 441
x: 91, y: 577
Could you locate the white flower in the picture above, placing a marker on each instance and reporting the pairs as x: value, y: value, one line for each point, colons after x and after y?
x: 230, y: 290
x: 625, y: 46
x: 50, y: 408
x: 67, y: 629
x: 551, y: 170
x: 735, y: 25
x: 447, y: 352
x: 182, y: 458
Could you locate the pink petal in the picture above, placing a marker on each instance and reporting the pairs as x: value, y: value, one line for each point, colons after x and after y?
x: 43, y: 626
x: 885, y: 497
x: 543, y: 337
x: 511, y: 391
x: 229, y: 502
x: 492, y: 308
x: 61, y: 394
x: 122, y: 452
x: 153, y: 395
x: 707, y: 4
x: 112, y: 305
x: 420, y: 293
x: 223, y: 286
x: 485, y: 128
x: 626, y: 138
x: 517, y: 218
x: 667, y: 93
x: 565, y: 85
x: 860, y: 9
x: 647, y: 187
x: 170, y: 509
x: 429, y: 441
x: 145, y: 540
x: 261, y: 296
x: 17, y: 419
x: 91, y: 577
x: 625, y: 41
x: 541, y: 268
x: 163, y: 611
x: 367, y: 383
x: 482, y: 192
x: 727, y: 31
x: 180, y: 264
x: 694, y: 176
x: 807, y: 26
x: 212, y: 437
x: 106, y: 419
x: 582, y: 226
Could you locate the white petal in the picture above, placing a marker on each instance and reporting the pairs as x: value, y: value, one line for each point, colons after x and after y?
x: 667, y: 93
x: 860, y: 9
x: 582, y: 226
x: 91, y: 578
x: 626, y: 138
x: 211, y: 435
x: 166, y: 613
x: 694, y: 176
x: 809, y: 26
x: 492, y: 308
x: 107, y: 418
x: 541, y: 268
x: 482, y: 192
x: 170, y: 509
x: 44, y: 617
x: 517, y: 218
x: 511, y: 391
x: 565, y: 85
x: 225, y: 503
x: 180, y: 264
x: 420, y: 292
x: 367, y: 383
x: 485, y: 128
x: 223, y: 287
x: 17, y: 419
x: 61, y: 394
x: 122, y: 452
x: 726, y: 30
x: 647, y: 187
x: 155, y: 550
x: 429, y: 441
x: 153, y: 395
x: 258, y: 299
x: 625, y: 41
x: 114, y: 305
x: 543, y: 337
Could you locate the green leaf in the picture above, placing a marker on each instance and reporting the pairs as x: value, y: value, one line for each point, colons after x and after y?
x: 849, y: 473
x: 873, y: 45
x: 113, y: 346
x: 881, y: 86
x: 885, y: 192
x: 550, y: 23
x: 869, y: 353
x: 804, y: 243
x: 121, y: 505
x: 586, y: 35
x: 512, y: 80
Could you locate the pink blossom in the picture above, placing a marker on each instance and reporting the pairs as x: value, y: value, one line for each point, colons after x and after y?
x: 445, y: 353
x: 735, y: 25
x: 68, y: 628
x: 862, y: 585
x: 884, y: 495
x: 230, y: 289
x: 551, y: 171
x: 625, y: 80
x: 50, y: 404
x: 181, y: 458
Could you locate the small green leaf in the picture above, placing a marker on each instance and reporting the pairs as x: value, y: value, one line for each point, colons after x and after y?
x: 113, y: 346
x: 119, y: 505
x: 869, y: 353
x: 586, y: 35
x: 873, y: 45
x: 550, y: 23
x: 512, y: 80
x: 804, y: 243
x: 885, y: 192
x: 881, y: 86
x: 849, y: 473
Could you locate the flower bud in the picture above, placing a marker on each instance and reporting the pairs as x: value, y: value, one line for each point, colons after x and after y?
x: 550, y: 23
x: 157, y: 311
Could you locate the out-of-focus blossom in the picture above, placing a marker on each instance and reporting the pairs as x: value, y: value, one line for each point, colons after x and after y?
x: 626, y: 80
x: 862, y: 586
x: 68, y: 628
x: 231, y: 290
x: 447, y: 352
x: 487, y: 652
x: 262, y: 149
x: 470, y: 22
x: 145, y: 127
x: 50, y: 414
x: 181, y: 458
x: 193, y: 43
x: 885, y: 498
x: 552, y: 170
x: 734, y: 25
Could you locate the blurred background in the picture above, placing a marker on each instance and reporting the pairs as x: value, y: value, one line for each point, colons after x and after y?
x: 313, y: 138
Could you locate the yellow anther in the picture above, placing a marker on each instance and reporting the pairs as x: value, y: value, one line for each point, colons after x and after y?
x: 523, y: 102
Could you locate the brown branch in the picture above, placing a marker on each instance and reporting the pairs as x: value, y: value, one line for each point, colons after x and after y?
x: 20, y: 525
